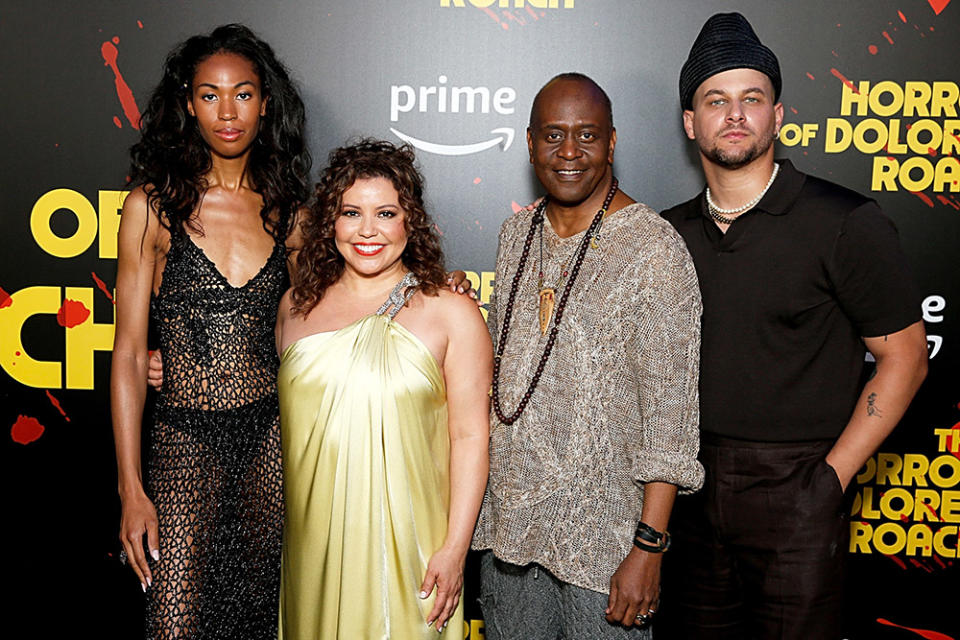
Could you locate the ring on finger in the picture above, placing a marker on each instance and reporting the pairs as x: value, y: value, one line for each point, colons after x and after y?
x: 123, y: 556
x: 641, y: 618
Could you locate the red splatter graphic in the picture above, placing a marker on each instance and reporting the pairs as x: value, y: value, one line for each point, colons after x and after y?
x: 72, y: 313
x: 532, y: 12
x: 5, y: 299
x: 887, y: 36
x: 872, y: 49
x: 844, y: 80
x: 938, y: 5
x: 16, y: 353
x: 109, y: 52
x: 139, y: 24
x: 115, y: 39
x: 903, y: 18
x: 477, y: 181
x: 933, y: 512
x: 56, y: 404
x: 103, y: 285
x: 794, y: 110
x: 900, y: 563
x: 923, y: 633
x: 26, y: 429
x: 931, y: 151
x: 494, y: 17
x: 810, y: 75
x: 516, y: 208
x: 926, y: 199
x: 920, y: 565
x: 835, y: 54
x: 117, y: 122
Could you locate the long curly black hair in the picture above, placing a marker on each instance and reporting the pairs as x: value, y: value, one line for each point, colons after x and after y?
x: 320, y: 263
x: 171, y: 159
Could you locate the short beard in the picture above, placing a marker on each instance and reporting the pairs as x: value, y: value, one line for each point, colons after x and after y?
x: 737, y: 159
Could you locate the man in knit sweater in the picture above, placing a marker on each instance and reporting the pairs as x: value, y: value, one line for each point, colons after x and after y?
x: 594, y: 426
x: 797, y: 276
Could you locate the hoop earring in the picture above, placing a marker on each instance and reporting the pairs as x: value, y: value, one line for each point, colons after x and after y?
x: 776, y: 134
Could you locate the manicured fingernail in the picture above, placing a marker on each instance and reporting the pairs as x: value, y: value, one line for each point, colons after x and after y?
x: 459, y: 289
x: 423, y: 594
x: 144, y: 587
x: 149, y: 582
x: 155, y: 554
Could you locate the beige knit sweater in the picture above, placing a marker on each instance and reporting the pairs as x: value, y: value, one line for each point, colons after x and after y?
x: 616, y: 406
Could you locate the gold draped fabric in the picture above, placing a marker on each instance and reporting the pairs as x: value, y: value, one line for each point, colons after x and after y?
x: 366, y: 481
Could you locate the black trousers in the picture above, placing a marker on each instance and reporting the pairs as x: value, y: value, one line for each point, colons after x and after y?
x: 759, y: 552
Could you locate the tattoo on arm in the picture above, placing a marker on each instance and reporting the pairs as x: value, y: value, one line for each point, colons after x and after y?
x: 872, y: 408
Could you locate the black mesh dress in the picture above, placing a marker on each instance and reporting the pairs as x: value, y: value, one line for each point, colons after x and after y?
x: 215, y: 472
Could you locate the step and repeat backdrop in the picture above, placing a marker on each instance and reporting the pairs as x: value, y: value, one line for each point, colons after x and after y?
x: 871, y: 101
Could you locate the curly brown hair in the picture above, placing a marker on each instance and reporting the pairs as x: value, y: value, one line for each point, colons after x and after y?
x: 320, y: 264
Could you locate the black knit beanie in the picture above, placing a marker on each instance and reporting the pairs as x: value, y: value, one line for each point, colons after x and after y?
x: 727, y: 41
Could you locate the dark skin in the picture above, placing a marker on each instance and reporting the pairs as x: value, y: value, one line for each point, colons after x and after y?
x: 571, y: 141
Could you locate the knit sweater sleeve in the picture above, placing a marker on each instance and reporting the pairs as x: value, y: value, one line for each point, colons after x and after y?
x: 665, y: 353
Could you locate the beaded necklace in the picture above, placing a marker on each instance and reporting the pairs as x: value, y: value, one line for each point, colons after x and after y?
x: 717, y: 213
x: 546, y: 297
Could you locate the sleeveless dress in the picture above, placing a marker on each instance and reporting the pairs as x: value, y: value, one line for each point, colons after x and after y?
x: 366, y: 454
x: 215, y: 472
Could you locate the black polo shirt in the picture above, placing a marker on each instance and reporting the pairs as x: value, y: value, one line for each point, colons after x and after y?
x: 788, y: 292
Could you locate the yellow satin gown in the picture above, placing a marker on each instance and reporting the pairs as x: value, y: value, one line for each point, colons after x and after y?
x: 366, y: 453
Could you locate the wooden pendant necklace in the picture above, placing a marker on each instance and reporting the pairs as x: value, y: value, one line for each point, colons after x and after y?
x: 546, y: 296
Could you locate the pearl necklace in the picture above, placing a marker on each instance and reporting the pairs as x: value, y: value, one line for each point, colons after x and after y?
x: 716, y: 212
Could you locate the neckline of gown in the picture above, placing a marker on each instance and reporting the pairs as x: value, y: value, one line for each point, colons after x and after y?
x: 390, y: 321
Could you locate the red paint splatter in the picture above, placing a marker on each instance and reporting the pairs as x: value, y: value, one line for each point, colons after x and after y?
x: 923, y: 633
x: 139, y: 24
x: 844, y: 80
x: 56, y: 404
x: 903, y: 18
x: 117, y: 122
x: 948, y: 202
x: 16, y: 353
x: 103, y: 285
x: 835, y: 54
x: 109, y: 52
x: 26, y: 429
x: 5, y: 299
x: 939, y: 562
x: 920, y: 565
x: 72, y: 313
x: 872, y: 49
x: 494, y: 17
x: 938, y: 5
x: 933, y: 512
x: 904, y: 518
x: 887, y: 36
x: 116, y: 39
x: 810, y: 75
x: 794, y: 110
x: 476, y: 181
x: 900, y: 563
x: 926, y: 199
x: 931, y: 151
x: 532, y: 12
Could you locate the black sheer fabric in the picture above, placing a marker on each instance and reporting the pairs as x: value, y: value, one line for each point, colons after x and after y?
x: 215, y: 472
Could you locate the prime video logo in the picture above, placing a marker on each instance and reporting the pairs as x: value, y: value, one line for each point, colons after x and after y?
x: 443, y: 99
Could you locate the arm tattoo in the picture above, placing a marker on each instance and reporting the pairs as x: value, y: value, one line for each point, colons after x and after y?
x: 872, y: 408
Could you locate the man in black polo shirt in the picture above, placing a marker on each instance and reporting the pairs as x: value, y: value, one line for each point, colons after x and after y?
x: 798, y: 275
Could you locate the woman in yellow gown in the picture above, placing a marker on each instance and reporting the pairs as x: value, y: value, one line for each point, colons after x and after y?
x: 383, y: 410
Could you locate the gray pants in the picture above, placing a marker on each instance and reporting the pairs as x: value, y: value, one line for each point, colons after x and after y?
x: 529, y: 603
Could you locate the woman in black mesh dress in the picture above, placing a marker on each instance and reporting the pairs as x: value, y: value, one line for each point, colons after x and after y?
x: 206, y: 233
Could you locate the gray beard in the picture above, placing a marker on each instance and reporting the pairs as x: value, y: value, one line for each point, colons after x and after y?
x: 740, y: 158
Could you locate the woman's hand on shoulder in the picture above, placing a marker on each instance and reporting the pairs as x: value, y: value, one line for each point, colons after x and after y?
x: 445, y: 573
